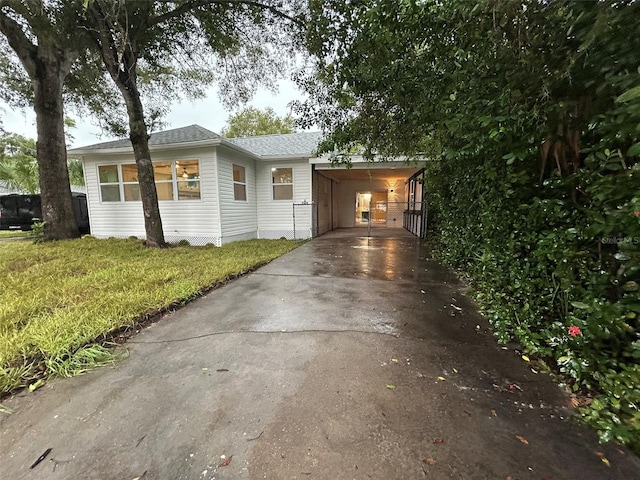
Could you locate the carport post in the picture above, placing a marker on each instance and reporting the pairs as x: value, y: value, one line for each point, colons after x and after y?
x: 294, y: 221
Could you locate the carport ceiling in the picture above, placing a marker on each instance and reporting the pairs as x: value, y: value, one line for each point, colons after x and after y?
x: 367, y: 174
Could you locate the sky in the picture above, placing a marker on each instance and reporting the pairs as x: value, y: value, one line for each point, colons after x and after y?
x: 207, y: 112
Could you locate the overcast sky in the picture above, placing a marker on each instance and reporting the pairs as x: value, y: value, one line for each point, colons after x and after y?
x: 208, y: 113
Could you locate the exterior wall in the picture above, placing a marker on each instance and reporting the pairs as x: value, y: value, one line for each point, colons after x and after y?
x: 347, y: 201
x: 194, y: 220
x: 238, y: 218
x: 275, y: 217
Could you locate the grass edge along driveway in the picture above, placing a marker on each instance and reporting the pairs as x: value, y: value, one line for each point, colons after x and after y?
x: 60, y: 300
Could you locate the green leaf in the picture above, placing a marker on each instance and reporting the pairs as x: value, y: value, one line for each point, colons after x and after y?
x: 580, y: 305
x: 629, y: 95
x: 634, y: 151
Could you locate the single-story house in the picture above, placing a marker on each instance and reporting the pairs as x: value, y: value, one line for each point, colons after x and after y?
x: 213, y: 189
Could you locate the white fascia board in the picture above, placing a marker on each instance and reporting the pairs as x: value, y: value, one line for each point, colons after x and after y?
x: 358, y: 161
x: 275, y: 158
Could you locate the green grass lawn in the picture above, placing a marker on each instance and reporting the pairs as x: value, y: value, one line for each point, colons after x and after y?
x: 13, y: 233
x: 59, y: 300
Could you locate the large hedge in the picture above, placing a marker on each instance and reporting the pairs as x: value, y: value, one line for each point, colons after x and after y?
x: 529, y: 114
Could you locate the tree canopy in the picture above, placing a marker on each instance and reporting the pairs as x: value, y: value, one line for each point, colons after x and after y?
x: 252, y: 121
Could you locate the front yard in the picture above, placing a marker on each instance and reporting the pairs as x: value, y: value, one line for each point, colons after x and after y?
x: 60, y: 301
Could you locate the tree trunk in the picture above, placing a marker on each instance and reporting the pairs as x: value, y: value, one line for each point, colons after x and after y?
x: 57, y: 207
x: 47, y: 65
x: 140, y: 141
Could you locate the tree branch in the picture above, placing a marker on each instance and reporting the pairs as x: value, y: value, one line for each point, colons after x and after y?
x: 193, y: 4
x: 19, y: 42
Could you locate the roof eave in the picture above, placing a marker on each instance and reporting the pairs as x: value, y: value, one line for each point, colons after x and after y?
x: 289, y: 156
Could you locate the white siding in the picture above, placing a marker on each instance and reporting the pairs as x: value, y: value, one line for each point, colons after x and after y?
x: 275, y: 217
x: 239, y: 219
x: 193, y: 220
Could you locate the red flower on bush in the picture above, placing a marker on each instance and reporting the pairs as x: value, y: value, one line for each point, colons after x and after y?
x: 574, y: 331
x: 637, y: 214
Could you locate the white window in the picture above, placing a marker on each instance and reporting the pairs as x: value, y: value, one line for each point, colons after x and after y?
x: 188, y: 179
x: 163, y: 174
x: 282, y: 183
x: 130, y: 185
x: 109, y: 183
x: 174, y: 180
x: 239, y: 183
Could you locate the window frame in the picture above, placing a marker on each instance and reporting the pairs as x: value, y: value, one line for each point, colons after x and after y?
x: 237, y: 182
x: 273, y: 184
x: 118, y: 183
x: 124, y: 197
x: 179, y: 179
x: 174, y: 181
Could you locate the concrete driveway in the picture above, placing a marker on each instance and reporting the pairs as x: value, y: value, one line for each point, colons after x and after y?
x: 349, y: 358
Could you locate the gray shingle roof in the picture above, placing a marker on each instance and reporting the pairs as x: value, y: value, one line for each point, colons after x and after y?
x: 301, y: 143
x: 192, y: 133
x: 290, y: 144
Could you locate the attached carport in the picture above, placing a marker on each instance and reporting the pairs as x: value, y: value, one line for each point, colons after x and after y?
x: 368, y: 195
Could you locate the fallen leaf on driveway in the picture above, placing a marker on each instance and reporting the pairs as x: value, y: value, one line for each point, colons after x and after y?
x: 603, y: 458
x: 429, y: 461
x: 493, y: 412
x: 390, y: 386
x: 226, y: 461
x: 394, y: 360
x: 437, y: 441
x: 441, y: 378
x: 525, y: 358
x: 522, y: 439
x: 422, y: 291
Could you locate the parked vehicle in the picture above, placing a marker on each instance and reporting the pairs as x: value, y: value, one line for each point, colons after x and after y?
x: 19, y: 212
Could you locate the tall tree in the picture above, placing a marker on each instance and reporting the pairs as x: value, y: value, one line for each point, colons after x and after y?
x: 253, y: 121
x: 134, y: 36
x: 45, y: 39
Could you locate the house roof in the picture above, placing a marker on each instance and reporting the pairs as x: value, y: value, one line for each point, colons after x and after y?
x: 280, y: 145
x: 192, y: 133
x: 288, y: 144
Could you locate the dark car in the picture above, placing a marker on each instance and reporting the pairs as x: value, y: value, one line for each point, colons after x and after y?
x: 17, y: 212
